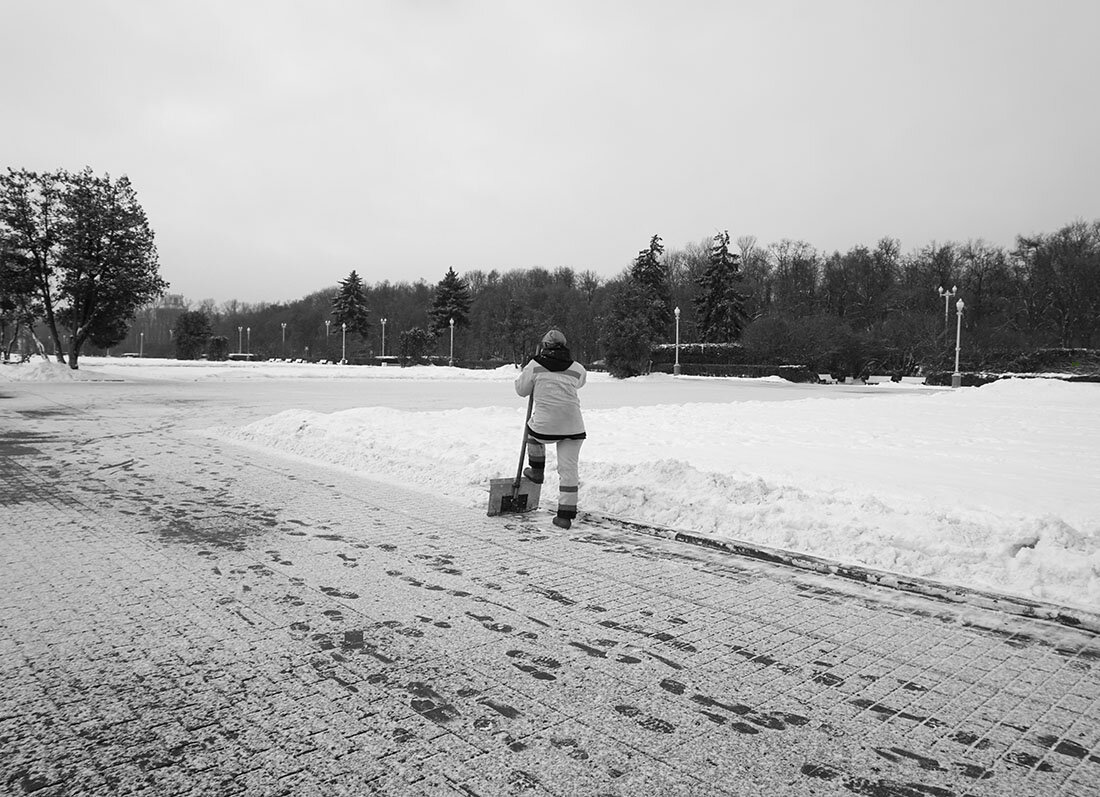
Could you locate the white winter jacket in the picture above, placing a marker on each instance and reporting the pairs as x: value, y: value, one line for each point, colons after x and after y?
x: 555, y: 378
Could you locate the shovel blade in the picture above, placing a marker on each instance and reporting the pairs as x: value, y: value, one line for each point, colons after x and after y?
x: 505, y: 499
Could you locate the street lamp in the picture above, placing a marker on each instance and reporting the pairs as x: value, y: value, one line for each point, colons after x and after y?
x: 283, y: 325
x: 676, y: 365
x: 239, y: 347
x: 141, y: 345
x: 946, y: 301
x: 343, y: 344
x: 383, y: 336
x: 327, y: 323
x: 248, y: 332
x: 452, y: 360
x: 956, y: 378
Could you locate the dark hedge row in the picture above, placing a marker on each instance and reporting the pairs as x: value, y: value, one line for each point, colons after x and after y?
x: 792, y: 373
x: 1075, y: 361
x: 704, y: 353
x: 969, y: 379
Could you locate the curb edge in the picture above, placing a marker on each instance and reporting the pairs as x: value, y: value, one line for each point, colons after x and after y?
x: 1067, y: 616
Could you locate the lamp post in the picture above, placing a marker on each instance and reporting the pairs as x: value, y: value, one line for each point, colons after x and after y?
x: 343, y: 344
x: 383, y: 336
x: 452, y: 360
x: 328, y: 322
x: 956, y: 378
x: 676, y: 365
x: 946, y: 302
x: 141, y: 345
x: 283, y: 325
x: 239, y: 331
x: 248, y: 337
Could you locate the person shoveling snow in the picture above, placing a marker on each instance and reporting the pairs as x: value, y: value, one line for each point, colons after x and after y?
x: 554, y: 377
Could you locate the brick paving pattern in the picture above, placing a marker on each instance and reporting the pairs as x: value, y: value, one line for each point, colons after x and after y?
x: 181, y: 616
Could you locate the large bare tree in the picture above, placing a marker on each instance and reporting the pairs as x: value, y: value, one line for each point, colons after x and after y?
x: 87, y: 248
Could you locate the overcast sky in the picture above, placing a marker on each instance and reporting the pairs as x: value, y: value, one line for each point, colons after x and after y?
x: 276, y: 146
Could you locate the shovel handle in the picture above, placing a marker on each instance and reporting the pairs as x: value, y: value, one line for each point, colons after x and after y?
x: 523, y: 445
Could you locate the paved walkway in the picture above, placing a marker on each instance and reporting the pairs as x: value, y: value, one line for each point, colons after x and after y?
x: 179, y: 616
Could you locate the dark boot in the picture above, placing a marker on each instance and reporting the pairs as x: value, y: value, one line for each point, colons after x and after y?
x: 562, y: 522
x: 534, y: 475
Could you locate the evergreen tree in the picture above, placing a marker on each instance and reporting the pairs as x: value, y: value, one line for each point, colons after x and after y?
x: 414, y: 344
x: 627, y: 333
x: 651, y: 276
x: 640, y: 315
x: 218, y: 349
x: 451, y: 300
x: 719, y: 304
x: 192, y: 334
x: 349, y: 306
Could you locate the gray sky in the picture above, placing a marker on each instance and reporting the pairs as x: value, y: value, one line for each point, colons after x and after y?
x: 276, y: 146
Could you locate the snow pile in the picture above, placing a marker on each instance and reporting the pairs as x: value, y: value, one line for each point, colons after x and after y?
x: 992, y: 487
x: 39, y: 370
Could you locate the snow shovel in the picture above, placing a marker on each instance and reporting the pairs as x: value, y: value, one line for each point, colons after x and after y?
x: 512, y: 496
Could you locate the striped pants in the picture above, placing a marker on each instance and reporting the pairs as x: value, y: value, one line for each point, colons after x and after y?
x: 568, y: 452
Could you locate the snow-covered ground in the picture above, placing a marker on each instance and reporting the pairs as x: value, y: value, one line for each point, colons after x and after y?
x: 995, y: 487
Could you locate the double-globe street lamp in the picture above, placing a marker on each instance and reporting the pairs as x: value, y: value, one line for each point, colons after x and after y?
x: 947, y: 294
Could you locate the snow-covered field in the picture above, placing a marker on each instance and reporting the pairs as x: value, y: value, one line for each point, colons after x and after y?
x: 995, y: 487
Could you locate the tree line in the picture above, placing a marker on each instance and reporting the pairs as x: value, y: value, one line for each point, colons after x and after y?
x: 787, y: 302
x: 78, y: 265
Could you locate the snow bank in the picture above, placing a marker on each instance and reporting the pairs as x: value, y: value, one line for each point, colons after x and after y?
x: 991, y: 487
